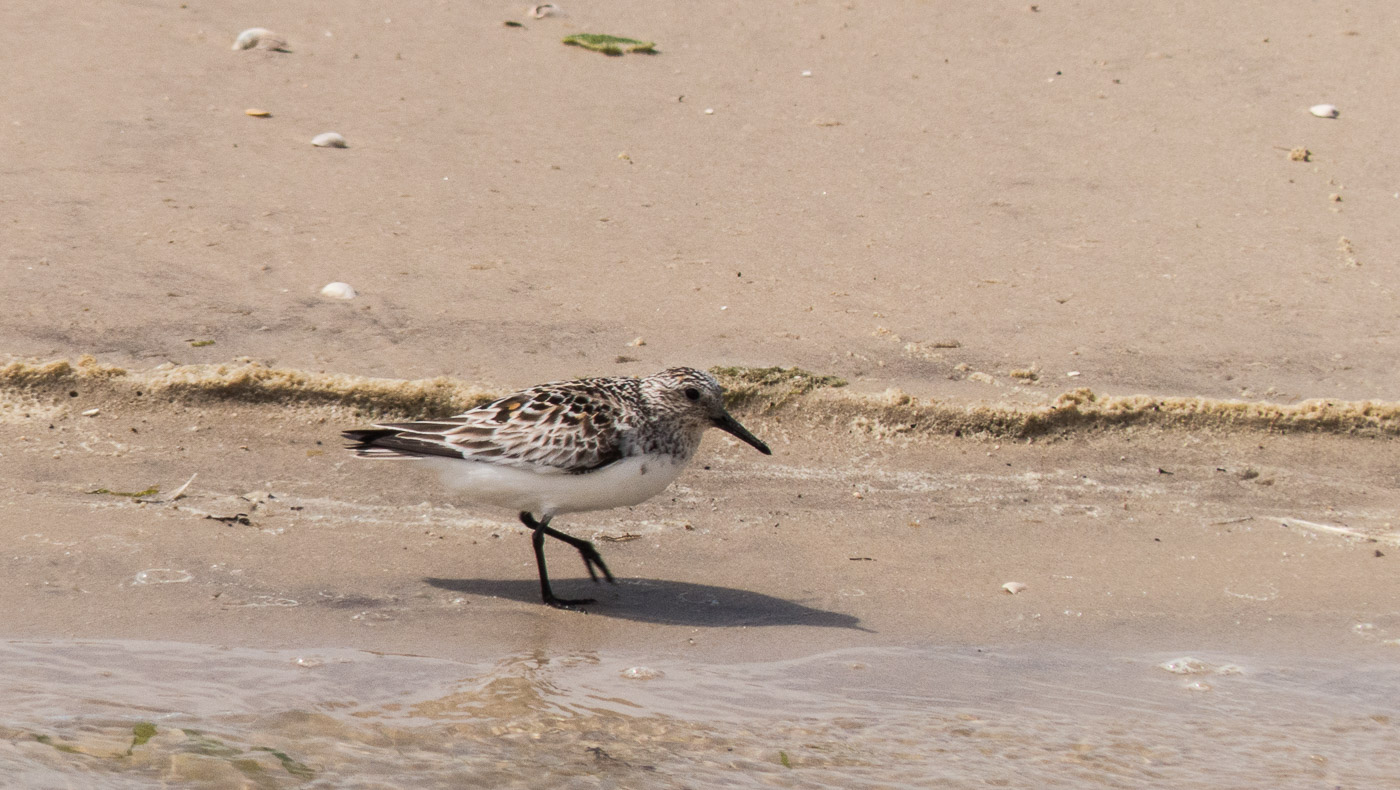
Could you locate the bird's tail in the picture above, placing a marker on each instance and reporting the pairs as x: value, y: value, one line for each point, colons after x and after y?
x: 396, y: 443
x: 365, y: 442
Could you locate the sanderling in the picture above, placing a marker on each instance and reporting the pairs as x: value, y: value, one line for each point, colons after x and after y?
x: 566, y: 447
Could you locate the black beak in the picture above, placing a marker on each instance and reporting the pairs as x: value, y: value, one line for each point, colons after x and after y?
x: 730, y: 425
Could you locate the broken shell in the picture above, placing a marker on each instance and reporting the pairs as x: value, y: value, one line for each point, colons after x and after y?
x: 259, y: 38
x: 1013, y: 587
x: 338, y: 291
x: 543, y: 10
x: 92, y: 412
x: 256, y: 113
x: 1324, y: 110
x: 329, y: 140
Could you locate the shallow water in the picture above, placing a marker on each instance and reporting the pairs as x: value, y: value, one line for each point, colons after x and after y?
x: 97, y: 714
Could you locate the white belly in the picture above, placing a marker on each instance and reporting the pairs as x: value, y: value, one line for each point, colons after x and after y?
x: 627, y: 482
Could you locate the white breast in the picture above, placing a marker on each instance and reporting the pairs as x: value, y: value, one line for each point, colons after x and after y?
x: 626, y: 482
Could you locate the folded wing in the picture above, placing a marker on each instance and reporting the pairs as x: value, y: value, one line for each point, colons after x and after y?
x: 568, y: 428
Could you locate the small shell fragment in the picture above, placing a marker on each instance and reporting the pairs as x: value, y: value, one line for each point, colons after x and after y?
x: 543, y: 10
x: 1325, y: 110
x: 259, y: 38
x: 92, y: 412
x: 1013, y: 587
x: 1186, y: 665
x: 329, y: 140
x: 338, y: 290
x: 257, y: 113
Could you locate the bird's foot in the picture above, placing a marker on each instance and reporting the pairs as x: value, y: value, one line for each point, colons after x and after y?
x: 568, y: 604
x: 591, y: 559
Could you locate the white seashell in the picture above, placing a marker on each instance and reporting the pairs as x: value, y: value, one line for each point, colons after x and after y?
x: 1325, y: 110
x: 338, y: 291
x: 162, y: 576
x: 259, y: 38
x: 329, y: 140
x: 642, y: 673
x: 1013, y: 587
x: 543, y: 10
x: 92, y: 412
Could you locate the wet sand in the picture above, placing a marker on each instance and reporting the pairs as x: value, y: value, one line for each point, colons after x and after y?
x: 831, y: 616
x: 970, y: 214
x: 854, y: 533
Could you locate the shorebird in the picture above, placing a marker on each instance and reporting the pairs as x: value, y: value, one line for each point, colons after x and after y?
x: 566, y: 447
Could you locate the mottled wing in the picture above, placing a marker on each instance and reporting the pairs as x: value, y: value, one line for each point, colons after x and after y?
x: 571, y: 427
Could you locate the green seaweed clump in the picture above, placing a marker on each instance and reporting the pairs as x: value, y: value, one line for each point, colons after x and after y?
x: 609, y: 45
x: 153, y: 490
x: 140, y: 734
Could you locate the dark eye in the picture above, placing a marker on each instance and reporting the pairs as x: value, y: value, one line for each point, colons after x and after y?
x: 692, y: 393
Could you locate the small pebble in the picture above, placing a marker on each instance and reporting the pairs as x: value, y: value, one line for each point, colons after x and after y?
x: 1324, y: 110
x: 338, y: 290
x: 329, y: 140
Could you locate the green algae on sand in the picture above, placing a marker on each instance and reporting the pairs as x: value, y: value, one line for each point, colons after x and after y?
x: 609, y: 45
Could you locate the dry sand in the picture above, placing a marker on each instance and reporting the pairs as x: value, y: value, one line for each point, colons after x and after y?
x: 957, y: 192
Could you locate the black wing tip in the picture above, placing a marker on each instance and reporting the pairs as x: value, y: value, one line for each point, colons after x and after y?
x: 364, y: 438
x: 367, y: 434
x: 396, y: 443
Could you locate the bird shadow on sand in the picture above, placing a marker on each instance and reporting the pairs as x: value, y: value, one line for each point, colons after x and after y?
x: 664, y: 602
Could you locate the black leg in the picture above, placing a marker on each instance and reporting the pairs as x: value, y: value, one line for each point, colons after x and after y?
x: 590, y: 556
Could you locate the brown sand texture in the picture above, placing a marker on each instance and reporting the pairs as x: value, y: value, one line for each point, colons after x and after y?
x: 1097, y: 332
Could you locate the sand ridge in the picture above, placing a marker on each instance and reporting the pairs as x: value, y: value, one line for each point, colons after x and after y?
x: 26, y: 385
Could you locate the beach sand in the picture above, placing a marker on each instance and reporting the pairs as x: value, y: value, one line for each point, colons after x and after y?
x: 962, y: 211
